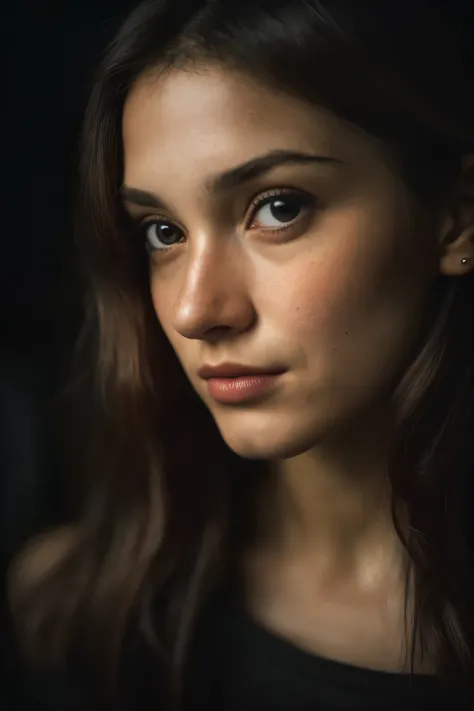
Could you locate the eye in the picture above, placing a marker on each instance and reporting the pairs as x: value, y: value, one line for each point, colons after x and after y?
x: 280, y: 209
x: 160, y: 235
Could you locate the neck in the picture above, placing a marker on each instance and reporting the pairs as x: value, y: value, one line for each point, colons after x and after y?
x: 333, y: 502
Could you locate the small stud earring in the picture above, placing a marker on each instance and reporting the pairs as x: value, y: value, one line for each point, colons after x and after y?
x: 464, y: 260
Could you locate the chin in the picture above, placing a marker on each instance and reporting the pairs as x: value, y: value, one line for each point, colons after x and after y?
x: 269, y: 441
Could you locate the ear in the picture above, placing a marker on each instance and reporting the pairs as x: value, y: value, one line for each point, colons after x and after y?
x: 457, y: 234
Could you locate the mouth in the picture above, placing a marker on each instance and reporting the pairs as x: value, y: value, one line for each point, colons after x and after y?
x: 231, y: 383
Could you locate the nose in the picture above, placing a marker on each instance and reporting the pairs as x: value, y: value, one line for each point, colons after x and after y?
x: 214, y: 301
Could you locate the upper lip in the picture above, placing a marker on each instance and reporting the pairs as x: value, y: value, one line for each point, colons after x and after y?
x: 234, y: 370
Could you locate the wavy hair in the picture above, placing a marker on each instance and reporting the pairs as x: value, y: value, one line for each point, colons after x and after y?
x: 163, y: 498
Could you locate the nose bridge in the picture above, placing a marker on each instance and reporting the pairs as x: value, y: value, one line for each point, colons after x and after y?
x: 214, y: 294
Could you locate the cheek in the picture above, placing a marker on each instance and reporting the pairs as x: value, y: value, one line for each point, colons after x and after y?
x: 359, y: 293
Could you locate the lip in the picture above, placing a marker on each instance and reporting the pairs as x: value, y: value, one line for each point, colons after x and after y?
x: 236, y: 370
x: 231, y: 383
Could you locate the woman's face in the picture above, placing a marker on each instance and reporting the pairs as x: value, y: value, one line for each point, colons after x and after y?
x: 281, y: 239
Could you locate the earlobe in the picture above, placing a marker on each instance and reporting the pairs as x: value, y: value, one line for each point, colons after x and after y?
x: 457, y: 258
x: 457, y: 233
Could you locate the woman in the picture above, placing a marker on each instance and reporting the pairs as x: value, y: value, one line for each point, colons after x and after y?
x: 277, y: 219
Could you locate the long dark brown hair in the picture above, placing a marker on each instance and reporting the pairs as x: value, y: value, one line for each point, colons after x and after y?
x: 155, y: 530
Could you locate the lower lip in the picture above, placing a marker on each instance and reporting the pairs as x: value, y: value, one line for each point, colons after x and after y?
x: 242, y: 388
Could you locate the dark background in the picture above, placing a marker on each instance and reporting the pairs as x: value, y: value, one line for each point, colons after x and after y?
x: 52, y: 49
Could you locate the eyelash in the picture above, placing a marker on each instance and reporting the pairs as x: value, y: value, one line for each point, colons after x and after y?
x: 308, y: 202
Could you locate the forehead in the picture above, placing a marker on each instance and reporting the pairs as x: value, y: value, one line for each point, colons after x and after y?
x: 214, y: 118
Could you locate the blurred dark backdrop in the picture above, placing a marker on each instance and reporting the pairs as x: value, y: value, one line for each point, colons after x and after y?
x: 52, y: 48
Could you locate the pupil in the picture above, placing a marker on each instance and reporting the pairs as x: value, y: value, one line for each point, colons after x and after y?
x: 285, y: 210
x: 167, y: 233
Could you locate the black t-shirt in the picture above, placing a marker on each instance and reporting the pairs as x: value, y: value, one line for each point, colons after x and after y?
x: 237, y: 665
x: 240, y: 665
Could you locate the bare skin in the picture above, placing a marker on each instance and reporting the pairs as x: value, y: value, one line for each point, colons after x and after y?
x: 334, y: 297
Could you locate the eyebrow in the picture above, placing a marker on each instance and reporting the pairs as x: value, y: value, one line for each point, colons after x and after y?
x: 235, y: 177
